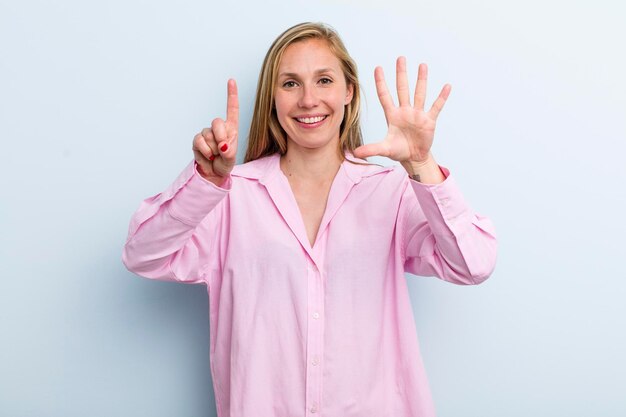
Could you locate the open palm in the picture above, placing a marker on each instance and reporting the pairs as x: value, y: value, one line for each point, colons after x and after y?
x: 410, y: 129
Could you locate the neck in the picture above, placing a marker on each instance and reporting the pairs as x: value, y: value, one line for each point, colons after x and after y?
x: 311, y: 164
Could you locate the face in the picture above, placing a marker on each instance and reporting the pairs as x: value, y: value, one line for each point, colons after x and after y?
x: 311, y: 94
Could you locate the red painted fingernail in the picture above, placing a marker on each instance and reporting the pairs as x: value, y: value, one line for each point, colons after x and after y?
x: 212, y: 157
x: 224, y: 147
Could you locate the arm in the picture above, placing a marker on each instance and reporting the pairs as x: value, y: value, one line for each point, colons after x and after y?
x: 172, y: 233
x: 441, y: 236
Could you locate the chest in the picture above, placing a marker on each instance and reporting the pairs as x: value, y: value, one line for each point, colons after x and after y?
x: 272, y: 222
x: 311, y: 201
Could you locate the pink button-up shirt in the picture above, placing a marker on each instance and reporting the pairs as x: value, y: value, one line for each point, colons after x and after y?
x: 323, y: 330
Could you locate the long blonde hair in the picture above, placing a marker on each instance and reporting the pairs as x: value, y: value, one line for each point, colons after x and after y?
x: 266, y: 134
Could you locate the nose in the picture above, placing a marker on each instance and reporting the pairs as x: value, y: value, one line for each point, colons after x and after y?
x: 308, y: 97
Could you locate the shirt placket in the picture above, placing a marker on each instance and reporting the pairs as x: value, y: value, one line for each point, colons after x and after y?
x: 315, y: 342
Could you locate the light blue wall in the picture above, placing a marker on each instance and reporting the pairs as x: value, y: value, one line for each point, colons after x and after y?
x: 99, y: 102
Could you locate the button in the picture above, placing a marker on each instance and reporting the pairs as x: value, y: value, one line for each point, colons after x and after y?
x: 316, y: 315
x: 315, y: 361
x: 314, y: 408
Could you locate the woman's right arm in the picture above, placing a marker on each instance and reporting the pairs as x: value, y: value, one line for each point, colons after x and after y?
x: 171, y: 235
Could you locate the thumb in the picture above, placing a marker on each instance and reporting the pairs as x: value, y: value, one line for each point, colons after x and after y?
x: 228, y: 152
x: 225, y: 163
x: 371, y: 149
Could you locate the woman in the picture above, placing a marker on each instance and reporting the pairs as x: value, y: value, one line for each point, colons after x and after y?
x: 303, y: 248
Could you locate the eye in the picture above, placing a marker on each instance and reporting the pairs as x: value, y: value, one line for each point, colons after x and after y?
x: 289, y: 84
x: 325, y: 80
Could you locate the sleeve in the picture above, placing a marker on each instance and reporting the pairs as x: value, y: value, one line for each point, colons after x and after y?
x: 172, y: 233
x: 442, y: 236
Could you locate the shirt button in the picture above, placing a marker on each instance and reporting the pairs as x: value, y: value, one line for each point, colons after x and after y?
x: 314, y: 409
x: 316, y: 315
x: 315, y: 361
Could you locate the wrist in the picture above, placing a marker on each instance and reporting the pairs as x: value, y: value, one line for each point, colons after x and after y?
x: 425, y: 172
x: 215, y: 179
x: 417, y: 167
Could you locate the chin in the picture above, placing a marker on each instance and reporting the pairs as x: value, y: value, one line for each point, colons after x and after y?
x: 310, y: 145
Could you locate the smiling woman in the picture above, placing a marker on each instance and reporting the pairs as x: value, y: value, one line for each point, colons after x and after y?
x: 311, y: 95
x: 267, y: 136
x: 303, y: 248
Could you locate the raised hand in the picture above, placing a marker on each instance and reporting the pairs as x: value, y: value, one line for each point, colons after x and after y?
x: 410, y: 129
x: 215, y: 147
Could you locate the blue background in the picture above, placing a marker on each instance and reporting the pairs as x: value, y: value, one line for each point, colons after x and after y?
x: 99, y: 102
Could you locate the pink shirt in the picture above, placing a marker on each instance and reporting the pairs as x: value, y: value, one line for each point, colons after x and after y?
x: 314, y: 331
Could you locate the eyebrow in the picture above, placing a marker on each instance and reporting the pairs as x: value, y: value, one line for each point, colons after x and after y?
x: 294, y: 75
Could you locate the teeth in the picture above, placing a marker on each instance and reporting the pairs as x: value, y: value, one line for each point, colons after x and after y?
x: 309, y: 120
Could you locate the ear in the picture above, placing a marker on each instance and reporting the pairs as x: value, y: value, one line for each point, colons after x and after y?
x: 349, y: 94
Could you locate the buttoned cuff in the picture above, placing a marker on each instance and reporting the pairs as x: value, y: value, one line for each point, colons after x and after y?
x: 443, y: 204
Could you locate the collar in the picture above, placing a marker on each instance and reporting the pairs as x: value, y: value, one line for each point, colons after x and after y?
x: 264, y: 169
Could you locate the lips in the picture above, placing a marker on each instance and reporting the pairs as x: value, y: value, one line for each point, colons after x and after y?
x: 311, y: 120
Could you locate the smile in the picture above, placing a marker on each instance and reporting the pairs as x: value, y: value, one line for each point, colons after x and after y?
x: 310, y: 120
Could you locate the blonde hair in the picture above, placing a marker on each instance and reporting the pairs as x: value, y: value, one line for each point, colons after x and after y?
x: 266, y: 134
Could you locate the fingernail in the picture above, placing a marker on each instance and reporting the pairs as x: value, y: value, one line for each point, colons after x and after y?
x: 212, y: 157
x: 224, y: 147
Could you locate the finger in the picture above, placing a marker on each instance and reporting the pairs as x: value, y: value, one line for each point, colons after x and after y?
x: 223, y: 165
x: 218, y: 126
x: 381, y: 89
x: 441, y: 100
x: 209, y: 138
x: 200, y: 145
x: 420, y: 88
x: 402, y: 83
x: 223, y: 145
x: 228, y: 150
x: 232, y: 103
x: 203, y: 163
x: 371, y: 149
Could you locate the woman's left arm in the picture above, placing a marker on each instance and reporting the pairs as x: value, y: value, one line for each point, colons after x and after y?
x: 441, y: 235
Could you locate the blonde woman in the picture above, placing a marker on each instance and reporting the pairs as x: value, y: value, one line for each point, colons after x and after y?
x: 303, y: 248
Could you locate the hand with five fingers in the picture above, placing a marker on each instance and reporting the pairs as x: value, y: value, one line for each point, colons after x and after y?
x: 410, y: 129
x: 215, y: 147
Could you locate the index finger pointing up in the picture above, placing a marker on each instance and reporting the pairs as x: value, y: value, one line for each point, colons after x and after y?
x: 232, y: 103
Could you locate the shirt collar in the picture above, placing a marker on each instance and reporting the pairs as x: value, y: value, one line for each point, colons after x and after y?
x: 265, y: 168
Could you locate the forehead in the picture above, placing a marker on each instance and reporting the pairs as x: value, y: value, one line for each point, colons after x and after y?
x: 308, y: 56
